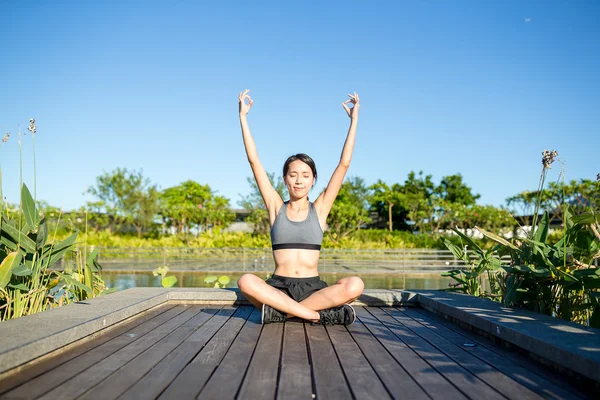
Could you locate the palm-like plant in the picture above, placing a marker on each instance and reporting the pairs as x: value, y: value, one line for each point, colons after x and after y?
x: 555, y: 279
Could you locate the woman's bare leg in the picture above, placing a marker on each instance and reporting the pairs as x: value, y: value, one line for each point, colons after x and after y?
x: 259, y: 293
x: 345, y: 290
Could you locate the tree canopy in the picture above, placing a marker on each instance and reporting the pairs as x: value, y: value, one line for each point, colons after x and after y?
x: 191, y: 204
x: 350, y: 211
x: 128, y: 197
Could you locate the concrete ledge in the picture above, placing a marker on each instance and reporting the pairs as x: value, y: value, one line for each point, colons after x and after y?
x: 386, y: 298
x: 27, y: 338
x: 566, y: 344
x: 206, y: 296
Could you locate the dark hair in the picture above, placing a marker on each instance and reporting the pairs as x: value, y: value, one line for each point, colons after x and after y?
x: 302, y: 157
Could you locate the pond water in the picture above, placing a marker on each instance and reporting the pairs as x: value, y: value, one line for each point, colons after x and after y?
x: 128, y: 279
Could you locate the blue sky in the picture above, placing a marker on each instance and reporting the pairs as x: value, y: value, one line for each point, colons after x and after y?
x: 479, y: 88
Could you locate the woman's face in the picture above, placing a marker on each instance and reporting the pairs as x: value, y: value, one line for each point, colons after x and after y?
x: 299, y: 179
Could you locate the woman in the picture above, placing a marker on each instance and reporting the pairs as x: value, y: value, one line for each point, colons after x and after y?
x: 296, y: 233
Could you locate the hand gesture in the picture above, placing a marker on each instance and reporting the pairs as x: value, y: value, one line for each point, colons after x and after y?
x: 352, y: 112
x: 245, y: 107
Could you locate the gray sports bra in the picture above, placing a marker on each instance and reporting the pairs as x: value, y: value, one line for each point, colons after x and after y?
x: 288, y: 234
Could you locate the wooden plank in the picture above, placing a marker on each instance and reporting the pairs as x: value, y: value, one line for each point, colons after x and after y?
x: 99, y: 371
x: 190, y: 381
x: 162, y: 374
x: 185, y: 386
x: 472, y: 376
x: 361, y: 377
x: 225, y: 382
x: 218, y: 386
x: 215, y: 350
x: 130, y: 373
x: 328, y: 376
x: 260, y: 381
x: 395, y: 378
x: 66, y: 371
x: 483, y: 370
x: 37, y: 368
x: 428, y: 378
x: 518, y: 368
x: 294, y: 349
x: 295, y: 380
x: 557, y: 380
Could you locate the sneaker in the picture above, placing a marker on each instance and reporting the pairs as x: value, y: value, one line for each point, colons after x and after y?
x: 269, y: 314
x: 342, y: 315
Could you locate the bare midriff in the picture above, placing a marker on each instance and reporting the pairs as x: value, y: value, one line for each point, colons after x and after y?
x: 296, y: 263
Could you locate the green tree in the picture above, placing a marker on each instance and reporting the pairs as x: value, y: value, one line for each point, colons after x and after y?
x: 580, y: 195
x: 216, y: 212
x: 253, y: 202
x: 420, y: 185
x: 128, y: 197
x: 181, y: 205
x: 147, y: 209
x: 455, y: 207
x: 419, y: 194
x: 449, y: 204
x: 350, y: 209
x: 453, y: 189
x: 389, y: 201
x: 466, y: 218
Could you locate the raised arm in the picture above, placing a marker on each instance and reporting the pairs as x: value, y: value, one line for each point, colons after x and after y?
x: 270, y: 196
x: 325, y: 201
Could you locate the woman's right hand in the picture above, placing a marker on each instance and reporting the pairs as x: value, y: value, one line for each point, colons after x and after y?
x: 354, y: 100
x: 245, y: 107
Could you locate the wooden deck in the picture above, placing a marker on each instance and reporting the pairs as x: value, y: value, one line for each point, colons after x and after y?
x: 223, y: 352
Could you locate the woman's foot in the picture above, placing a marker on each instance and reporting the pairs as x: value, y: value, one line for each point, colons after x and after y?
x: 269, y: 315
x: 342, y: 315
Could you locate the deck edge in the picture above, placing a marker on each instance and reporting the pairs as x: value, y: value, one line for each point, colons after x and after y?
x: 31, y: 337
x: 566, y: 344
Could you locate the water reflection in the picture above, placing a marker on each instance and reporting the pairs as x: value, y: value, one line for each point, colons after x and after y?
x: 129, y: 279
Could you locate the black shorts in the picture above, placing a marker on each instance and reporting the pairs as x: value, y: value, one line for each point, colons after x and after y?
x: 297, y: 288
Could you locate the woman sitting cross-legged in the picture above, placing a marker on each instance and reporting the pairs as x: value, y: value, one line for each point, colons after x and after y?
x: 297, y: 226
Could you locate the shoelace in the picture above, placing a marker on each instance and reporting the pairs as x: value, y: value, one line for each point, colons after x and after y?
x: 277, y: 316
x: 330, y: 317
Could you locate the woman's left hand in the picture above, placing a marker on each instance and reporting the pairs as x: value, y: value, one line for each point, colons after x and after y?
x: 352, y: 112
x: 245, y: 107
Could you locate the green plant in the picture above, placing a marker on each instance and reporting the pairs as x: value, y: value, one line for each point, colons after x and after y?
x: 166, y: 281
x: 480, y: 263
x: 30, y: 279
x: 220, y: 282
x: 556, y: 279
